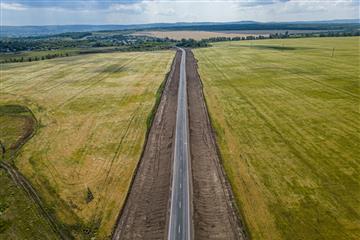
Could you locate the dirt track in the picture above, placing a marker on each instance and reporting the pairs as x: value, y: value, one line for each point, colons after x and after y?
x: 22, y: 182
x: 214, y: 213
x: 29, y: 129
x: 146, y: 211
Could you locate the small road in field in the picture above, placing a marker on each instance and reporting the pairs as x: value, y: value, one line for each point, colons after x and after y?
x: 22, y: 182
x: 180, y: 209
x: 29, y: 130
x: 180, y: 190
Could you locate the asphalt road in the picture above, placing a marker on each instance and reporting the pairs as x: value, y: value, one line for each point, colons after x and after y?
x: 180, y: 210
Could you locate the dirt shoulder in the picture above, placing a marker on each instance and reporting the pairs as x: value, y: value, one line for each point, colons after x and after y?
x: 145, y: 213
x: 215, y: 216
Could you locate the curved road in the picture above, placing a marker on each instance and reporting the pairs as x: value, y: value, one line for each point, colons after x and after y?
x: 180, y: 223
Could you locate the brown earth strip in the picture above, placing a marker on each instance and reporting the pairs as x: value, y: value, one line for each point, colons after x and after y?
x: 145, y: 214
x: 215, y: 215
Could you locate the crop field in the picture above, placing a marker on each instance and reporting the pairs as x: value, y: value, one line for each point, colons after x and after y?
x: 92, y: 116
x: 286, y: 115
x: 197, y: 35
x: 21, y: 220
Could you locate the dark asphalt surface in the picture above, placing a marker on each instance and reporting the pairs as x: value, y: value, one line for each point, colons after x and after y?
x: 180, y: 210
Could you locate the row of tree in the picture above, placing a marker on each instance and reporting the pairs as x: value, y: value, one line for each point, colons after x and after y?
x: 34, y: 58
x: 191, y: 43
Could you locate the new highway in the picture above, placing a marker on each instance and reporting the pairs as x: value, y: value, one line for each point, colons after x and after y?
x: 180, y: 223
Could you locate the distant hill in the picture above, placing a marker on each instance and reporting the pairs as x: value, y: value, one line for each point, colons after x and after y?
x: 340, y: 21
x: 22, y: 31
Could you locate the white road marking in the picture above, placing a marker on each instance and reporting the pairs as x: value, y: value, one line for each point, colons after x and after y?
x: 181, y: 216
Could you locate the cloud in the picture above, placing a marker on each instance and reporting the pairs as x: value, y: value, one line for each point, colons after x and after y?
x: 128, y: 8
x: 46, y: 12
x: 12, y: 6
x: 253, y: 3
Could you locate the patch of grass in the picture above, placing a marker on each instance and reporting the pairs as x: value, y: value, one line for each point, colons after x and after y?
x: 93, y: 112
x: 12, y: 109
x: 287, y: 124
x: 271, y: 47
x: 158, y: 95
x: 19, y: 216
x: 17, y: 124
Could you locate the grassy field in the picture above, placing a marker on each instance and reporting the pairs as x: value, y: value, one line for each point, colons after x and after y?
x: 19, y: 216
x: 286, y: 114
x: 92, y: 114
x: 17, y: 124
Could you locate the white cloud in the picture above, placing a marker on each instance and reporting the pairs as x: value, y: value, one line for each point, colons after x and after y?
x: 128, y: 8
x: 12, y: 6
x: 150, y: 11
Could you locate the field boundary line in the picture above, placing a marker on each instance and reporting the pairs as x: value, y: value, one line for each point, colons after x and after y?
x: 162, y: 88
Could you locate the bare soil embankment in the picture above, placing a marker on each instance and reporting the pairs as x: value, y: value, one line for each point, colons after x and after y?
x: 145, y: 213
x: 214, y: 216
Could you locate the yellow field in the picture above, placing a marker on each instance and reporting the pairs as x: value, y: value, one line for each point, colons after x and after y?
x: 92, y: 112
x: 197, y: 35
x: 286, y: 114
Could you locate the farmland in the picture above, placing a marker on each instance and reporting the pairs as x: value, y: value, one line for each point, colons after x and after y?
x: 92, y: 114
x: 197, y: 35
x: 286, y: 115
x: 21, y: 220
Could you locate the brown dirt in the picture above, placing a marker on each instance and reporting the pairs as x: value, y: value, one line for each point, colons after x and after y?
x: 145, y: 213
x: 215, y: 216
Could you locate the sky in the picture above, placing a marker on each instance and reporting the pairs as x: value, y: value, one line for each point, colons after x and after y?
x: 52, y: 12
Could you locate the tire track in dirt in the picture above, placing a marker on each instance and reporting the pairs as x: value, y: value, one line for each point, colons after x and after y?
x: 145, y: 212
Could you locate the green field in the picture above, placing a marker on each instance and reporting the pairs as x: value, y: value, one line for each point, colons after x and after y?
x: 19, y: 216
x: 92, y: 113
x: 286, y: 114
